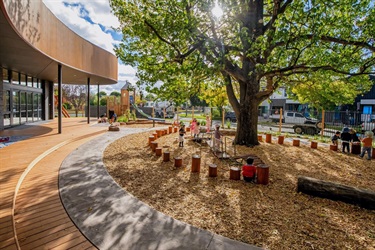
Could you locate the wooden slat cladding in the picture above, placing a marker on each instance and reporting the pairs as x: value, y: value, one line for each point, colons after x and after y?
x: 41, y: 29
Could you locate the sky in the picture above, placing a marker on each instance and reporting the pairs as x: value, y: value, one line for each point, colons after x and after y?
x: 93, y: 20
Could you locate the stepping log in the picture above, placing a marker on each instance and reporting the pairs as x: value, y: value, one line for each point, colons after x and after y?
x: 268, y: 138
x: 234, y: 173
x: 280, y: 139
x: 150, y: 139
x: 334, y: 191
x: 166, y: 156
x: 170, y: 130
x: 262, y: 174
x: 260, y: 138
x: 155, y: 135
x: 196, y: 164
x: 314, y: 144
x: 212, y: 170
x: 178, y: 161
x: 333, y: 147
x: 154, y: 145
x: 296, y: 142
x: 158, y: 151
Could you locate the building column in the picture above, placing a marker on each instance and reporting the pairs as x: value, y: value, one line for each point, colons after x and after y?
x: 88, y: 100
x: 59, y: 97
x: 98, y: 104
x: 1, y: 101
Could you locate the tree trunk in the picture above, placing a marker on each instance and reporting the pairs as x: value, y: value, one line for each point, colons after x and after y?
x: 247, y: 124
x: 361, y: 197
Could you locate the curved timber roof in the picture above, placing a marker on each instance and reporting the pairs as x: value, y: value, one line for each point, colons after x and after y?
x: 33, y: 41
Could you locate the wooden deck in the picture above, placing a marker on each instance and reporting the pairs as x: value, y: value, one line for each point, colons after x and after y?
x: 31, y: 213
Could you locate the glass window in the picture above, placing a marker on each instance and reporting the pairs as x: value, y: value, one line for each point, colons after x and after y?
x: 289, y: 114
x: 30, y: 107
x: 16, y: 108
x: 23, y: 107
x: 23, y: 79
x: 15, y: 78
x: 35, y: 107
x: 7, y: 101
x: 5, y: 76
x: 299, y: 115
x: 29, y: 81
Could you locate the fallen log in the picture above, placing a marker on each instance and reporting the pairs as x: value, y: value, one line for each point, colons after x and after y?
x: 334, y: 191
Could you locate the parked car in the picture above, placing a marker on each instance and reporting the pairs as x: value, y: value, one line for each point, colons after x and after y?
x: 230, y: 116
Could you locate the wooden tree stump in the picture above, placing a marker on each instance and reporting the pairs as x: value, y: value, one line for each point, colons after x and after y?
x: 165, y: 131
x: 160, y: 133
x: 280, y: 139
x: 262, y: 174
x: 212, y: 170
x: 170, y: 130
x: 187, y: 129
x: 268, y: 138
x: 334, y: 191
x: 178, y: 161
x: 333, y: 147
x: 260, y: 138
x: 166, y: 156
x: 234, y: 173
x: 150, y: 139
x: 296, y: 142
x: 196, y: 164
x: 175, y: 129
x: 314, y: 144
x: 158, y: 151
x: 113, y: 128
x: 154, y: 145
x: 155, y: 135
x: 356, y: 148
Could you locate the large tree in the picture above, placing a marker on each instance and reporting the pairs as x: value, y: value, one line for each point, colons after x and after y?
x: 258, y: 45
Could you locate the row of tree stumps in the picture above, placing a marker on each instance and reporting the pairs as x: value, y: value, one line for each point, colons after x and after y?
x: 280, y: 140
x: 196, y: 158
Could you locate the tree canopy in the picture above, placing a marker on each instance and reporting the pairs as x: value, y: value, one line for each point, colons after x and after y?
x: 255, y: 46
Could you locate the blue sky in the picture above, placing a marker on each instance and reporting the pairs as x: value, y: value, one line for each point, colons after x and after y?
x: 93, y: 20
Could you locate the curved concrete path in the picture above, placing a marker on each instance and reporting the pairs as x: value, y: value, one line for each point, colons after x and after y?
x: 114, y: 219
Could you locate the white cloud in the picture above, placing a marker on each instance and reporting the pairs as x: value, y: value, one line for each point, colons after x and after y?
x: 85, y: 17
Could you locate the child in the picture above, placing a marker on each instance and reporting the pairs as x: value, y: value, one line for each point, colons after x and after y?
x: 208, y: 123
x: 367, y: 145
x: 197, y: 130
x: 345, y: 138
x: 335, y: 138
x: 249, y: 170
x: 181, y: 137
x: 193, y: 125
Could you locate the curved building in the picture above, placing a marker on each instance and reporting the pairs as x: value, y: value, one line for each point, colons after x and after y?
x: 37, y: 51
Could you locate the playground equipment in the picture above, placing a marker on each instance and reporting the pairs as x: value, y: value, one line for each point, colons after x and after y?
x: 146, y: 115
x: 64, y: 111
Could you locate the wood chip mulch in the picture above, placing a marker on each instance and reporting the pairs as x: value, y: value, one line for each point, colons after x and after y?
x: 272, y: 216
